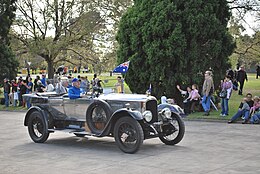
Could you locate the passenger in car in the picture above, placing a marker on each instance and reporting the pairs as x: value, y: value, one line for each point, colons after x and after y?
x: 74, y: 91
x: 61, y: 87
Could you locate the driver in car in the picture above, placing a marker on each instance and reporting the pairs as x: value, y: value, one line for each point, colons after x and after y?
x: 74, y: 91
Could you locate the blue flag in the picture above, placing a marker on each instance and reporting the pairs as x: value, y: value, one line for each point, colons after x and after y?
x: 122, y: 68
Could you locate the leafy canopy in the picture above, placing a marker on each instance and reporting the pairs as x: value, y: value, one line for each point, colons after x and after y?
x: 172, y: 42
x: 8, y: 66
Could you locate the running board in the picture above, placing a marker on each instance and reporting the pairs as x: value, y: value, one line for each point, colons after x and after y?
x: 74, y: 131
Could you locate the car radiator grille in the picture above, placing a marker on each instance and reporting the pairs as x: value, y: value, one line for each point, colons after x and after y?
x: 151, y: 105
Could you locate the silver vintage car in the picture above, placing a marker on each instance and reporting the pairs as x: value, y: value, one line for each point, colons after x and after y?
x: 129, y: 118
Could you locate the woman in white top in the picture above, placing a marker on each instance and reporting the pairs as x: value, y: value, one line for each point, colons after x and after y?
x: 50, y: 87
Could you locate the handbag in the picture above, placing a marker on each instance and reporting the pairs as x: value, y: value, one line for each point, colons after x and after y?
x: 223, y: 94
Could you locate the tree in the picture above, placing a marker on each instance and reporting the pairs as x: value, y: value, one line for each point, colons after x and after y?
x: 48, y: 28
x: 172, y: 42
x: 8, y: 67
x: 67, y: 31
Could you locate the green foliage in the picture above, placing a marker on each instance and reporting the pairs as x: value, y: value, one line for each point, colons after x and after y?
x: 7, y: 9
x: 8, y: 66
x: 172, y: 42
x: 248, y: 51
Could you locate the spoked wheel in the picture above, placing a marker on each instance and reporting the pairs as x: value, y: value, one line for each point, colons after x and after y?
x: 37, y: 128
x: 98, y: 114
x: 128, y: 134
x: 174, y: 131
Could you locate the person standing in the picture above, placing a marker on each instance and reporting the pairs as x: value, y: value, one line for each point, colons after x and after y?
x: 241, y: 77
x: 7, y: 88
x: 14, y: 91
x: 43, y: 80
x: 19, y: 91
x: 207, y: 91
x: 227, y: 86
x: 257, y: 71
x: 119, y: 85
x: 29, y: 88
x: 23, y: 89
x: 35, y: 86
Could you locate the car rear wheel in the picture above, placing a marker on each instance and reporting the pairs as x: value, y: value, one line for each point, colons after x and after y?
x: 128, y: 134
x: 37, y: 128
x: 98, y: 114
x: 174, y: 131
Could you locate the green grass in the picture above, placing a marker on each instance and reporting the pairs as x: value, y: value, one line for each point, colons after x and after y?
x: 252, y: 86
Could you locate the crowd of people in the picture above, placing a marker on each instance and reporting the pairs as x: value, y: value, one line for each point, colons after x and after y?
x: 249, y: 110
x: 75, y: 87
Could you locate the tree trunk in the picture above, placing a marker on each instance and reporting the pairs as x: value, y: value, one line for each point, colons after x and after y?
x: 50, y: 70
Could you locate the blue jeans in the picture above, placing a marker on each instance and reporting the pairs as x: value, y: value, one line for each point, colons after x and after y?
x: 28, y: 104
x: 224, y: 106
x: 6, y: 99
x: 255, y: 118
x: 240, y: 113
x: 206, y: 103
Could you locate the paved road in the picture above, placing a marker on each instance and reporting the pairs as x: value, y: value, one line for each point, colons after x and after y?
x: 207, y: 148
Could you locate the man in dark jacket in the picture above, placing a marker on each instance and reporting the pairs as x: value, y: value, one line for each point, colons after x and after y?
x: 257, y: 71
x: 241, y: 77
x: 7, y: 87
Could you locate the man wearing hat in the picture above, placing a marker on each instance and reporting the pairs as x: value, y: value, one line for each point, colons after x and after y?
x: 74, y: 91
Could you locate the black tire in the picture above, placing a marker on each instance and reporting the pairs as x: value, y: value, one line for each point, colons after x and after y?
x: 37, y: 127
x: 177, y: 135
x: 98, y: 115
x: 131, y: 128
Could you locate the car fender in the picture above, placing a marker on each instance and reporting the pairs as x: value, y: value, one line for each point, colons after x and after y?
x: 133, y: 113
x: 37, y: 108
x: 120, y: 113
x: 171, y: 107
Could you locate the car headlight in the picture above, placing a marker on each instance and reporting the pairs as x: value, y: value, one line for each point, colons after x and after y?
x: 148, y: 116
x: 167, y: 113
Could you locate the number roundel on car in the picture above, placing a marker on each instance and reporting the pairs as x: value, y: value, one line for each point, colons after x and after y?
x: 98, y: 115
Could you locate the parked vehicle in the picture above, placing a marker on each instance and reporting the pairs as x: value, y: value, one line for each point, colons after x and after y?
x: 129, y: 118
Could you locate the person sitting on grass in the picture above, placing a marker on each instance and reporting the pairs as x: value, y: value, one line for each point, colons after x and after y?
x: 255, y: 119
x: 256, y: 105
x: 195, y: 97
x: 187, y: 95
x: 243, y: 109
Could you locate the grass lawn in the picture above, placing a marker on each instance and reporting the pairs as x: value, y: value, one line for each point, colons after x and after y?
x: 252, y: 86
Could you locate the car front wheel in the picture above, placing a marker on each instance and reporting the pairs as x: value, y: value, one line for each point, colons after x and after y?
x: 37, y: 127
x: 174, y: 131
x: 128, y: 134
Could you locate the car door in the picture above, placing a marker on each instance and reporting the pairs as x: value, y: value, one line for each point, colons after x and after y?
x: 69, y: 107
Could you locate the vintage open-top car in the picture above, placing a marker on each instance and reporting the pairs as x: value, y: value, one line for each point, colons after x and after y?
x: 129, y: 118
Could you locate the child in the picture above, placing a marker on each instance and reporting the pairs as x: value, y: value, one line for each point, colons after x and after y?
x: 194, y: 97
x: 256, y: 105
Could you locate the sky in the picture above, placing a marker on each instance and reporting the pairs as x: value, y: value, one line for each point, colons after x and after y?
x: 250, y: 22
